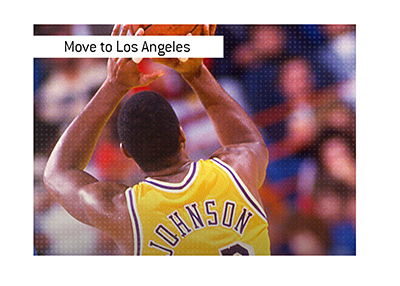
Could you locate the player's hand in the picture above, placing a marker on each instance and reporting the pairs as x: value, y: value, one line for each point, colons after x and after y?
x: 123, y: 72
x: 187, y: 67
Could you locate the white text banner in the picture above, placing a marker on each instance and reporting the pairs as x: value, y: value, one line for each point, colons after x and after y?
x: 128, y: 46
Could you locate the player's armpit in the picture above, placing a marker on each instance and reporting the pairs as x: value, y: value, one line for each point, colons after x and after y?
x: 249, y: 160
x: 102, y: 203
x: 64, y: 186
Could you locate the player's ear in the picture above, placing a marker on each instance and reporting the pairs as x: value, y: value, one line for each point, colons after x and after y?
x: 182, y: 137
x: 123, y: 150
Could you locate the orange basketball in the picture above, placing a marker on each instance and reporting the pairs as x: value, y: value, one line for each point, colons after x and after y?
x: 171, y: 30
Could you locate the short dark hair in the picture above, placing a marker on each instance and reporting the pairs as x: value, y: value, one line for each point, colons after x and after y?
x: 149, y: 130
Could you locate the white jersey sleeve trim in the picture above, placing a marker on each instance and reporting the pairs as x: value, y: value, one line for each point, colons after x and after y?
x: 241, y: 187
x: 136, y: 224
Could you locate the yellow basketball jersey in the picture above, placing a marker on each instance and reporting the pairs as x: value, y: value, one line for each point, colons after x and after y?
x: 211, y: 212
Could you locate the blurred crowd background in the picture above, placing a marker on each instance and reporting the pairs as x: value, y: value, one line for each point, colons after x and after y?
x: 297, y: 82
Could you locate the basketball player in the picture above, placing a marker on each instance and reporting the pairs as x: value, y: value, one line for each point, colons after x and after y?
x: 209, y: 207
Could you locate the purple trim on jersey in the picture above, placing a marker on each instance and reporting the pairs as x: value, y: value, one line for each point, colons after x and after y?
x: 242, y: 189
x: 160, y: 185
x: 136, y: 223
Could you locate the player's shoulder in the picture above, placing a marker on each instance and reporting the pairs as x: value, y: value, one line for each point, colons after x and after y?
x: 242, y: 154
x: 105, y: 205
x: 249, y: 160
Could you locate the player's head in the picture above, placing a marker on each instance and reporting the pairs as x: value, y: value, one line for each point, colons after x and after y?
x: 149, y: 131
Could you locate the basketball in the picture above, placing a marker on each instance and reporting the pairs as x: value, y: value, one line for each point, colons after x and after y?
x: 171, y: 30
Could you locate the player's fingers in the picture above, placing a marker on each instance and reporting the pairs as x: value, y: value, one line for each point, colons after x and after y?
x: 116, y: 29
x: 124, y: 31
x: 133, y: 29
x: 213, y: 27
x: 122, y: 61
x: 149, y: 78
x: 139, y: 32
x: 166, y: 61
x: 137, y: 60
x: 183, y: 60
x: 114, y: 60
x: 205, y: 30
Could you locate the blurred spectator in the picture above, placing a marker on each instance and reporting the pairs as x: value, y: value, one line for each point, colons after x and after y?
x: 290, y: 128
x: 45, y: 30
x: 304, y: 40
x: 339, y: 56
x: 42, y: 203
x: 334, y: 191
x: 45, y: 135
x: 297, y: 86
x: 67, y: 90
x: 337, y: 116
x: 234, y: 35
x: 265, y: 42
x: 336, y: 60
x: 66, y: 30
x: 260, y: 59
x: 337, y: 210
x: 66, y: 235
x: 308, y: 235
x: 337, y: 160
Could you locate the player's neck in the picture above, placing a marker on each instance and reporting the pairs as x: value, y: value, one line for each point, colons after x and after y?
x: 174, y: 172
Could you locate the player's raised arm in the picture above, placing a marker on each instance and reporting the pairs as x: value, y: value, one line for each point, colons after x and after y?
x: 243, y: 146
x: 64, y: 176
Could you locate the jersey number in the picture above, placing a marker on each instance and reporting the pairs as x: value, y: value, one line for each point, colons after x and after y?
x: 237, y: 248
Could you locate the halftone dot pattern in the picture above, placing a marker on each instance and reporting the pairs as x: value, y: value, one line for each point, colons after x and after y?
x: 297, y: 82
